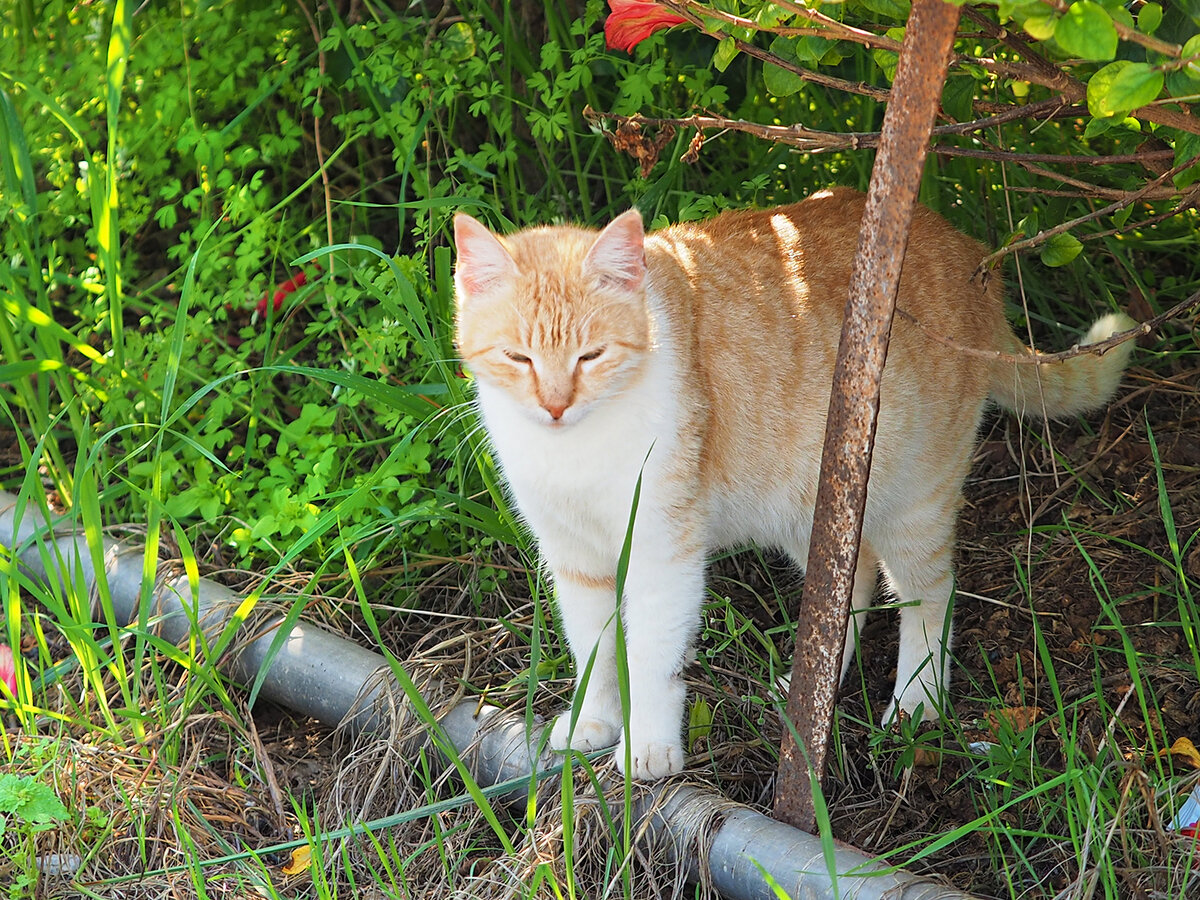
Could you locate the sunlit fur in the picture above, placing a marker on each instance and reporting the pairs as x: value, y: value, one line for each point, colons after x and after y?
x: 713, y: 348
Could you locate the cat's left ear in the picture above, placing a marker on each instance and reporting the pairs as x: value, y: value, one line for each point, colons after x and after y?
x: 482, y: 260
x: 618, y: 258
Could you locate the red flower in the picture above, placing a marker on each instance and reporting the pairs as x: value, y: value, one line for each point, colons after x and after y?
x: 8, y: 669
x: 282, y: 290
x: 632, y: 21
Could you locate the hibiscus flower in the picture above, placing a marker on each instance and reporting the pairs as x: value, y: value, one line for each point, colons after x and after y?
x: 8, y: 670
x: 632, y: 21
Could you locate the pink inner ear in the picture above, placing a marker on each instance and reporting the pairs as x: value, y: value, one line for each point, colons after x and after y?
x: 482, y: 260
x: 619, y: 255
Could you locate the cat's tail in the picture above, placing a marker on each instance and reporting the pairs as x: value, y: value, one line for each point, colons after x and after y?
x: 1066, y: 387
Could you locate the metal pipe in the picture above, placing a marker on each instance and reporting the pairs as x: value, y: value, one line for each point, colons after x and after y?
x: 322, y: 675
x: 854, y: 406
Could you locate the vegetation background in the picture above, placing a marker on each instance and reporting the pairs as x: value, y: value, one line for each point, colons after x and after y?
x: 226, y: 281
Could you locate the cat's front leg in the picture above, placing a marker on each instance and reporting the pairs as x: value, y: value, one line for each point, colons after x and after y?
x: 587, y: 613
x: 663, y: 599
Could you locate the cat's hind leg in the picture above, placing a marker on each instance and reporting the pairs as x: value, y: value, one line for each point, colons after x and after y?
x: 919, y: 568
x: 587, y: 616
x: 866, y: 575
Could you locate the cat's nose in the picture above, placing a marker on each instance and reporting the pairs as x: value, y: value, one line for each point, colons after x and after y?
x: 556, y: 409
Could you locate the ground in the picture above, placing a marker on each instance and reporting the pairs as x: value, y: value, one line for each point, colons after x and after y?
x: 1063, y: 539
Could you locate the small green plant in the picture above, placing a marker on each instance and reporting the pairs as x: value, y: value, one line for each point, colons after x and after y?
x: 27, y: 808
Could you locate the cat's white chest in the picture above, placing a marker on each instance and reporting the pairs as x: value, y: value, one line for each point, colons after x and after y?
x: 576, y: 483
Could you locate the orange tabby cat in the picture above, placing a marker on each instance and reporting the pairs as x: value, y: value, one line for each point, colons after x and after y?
x: 700, y: 358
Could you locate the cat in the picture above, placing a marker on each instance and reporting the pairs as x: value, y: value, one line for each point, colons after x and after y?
x: 699, y: 359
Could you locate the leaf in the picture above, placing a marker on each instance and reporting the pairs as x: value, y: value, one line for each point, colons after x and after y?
x: 1149, y: 18
x: 1014, y: 718
x: 1009, y: 9
x: 300, y: 862
x: 700, y: 721
x: 781, y: 82
x: 30, y: 800
x: 893, y: 9
x: 724, y: 54
x: 1187, y: 146
x: 458, y: 42
x: 810, y: 48
x: 1041, y: 25
x: 1191, y: 52
x: 1135, y: 85
x: 1099, y: 86
x: 1060, y: 250
x: 957, y: 98
x: 1086, y: 30
x: 1099, y: 126
x: 1185, y: 750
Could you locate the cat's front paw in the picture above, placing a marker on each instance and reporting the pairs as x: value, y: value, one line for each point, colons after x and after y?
x: 909, y: 702
x: 650, y: 761
x: 589, y: 734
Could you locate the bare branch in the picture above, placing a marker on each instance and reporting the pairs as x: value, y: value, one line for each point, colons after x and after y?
x: 1126, y: 198
x: 1036, y: 358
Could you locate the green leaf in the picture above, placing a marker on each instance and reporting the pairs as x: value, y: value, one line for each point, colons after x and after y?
x: 1187, y: 146
x: 781, y: 82
x: 892, y: 9
x: 1018, y: 9
x: 1121, y: 216
x: 724, y: 54
x: 1135, y: 85
x: 810, y: 48
x: 700, y: 721
x: 1041, y: 25
x: 1149, y: 18
x: 458, y: 42
x: 1098, y: 89
x: 30, y: 800
x: 1191, y: 53
x: 1060, y: 250
x: 1028, y: 226
x: 1096, y: 127
x: 957, y: 98
x: 1086, y: 31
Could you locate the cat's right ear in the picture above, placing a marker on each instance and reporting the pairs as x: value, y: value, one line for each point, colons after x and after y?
x: 618, y: 257
x: 483, y: 262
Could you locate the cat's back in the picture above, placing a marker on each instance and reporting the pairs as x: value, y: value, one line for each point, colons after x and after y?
x: 756, y: 299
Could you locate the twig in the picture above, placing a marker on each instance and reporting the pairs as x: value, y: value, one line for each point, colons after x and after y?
x: 316, y: 33
x: 813, y: 141
x: 1066, y: 159
x: 682, y: 8
x: 1036, y: 357
x: 1125, y: 199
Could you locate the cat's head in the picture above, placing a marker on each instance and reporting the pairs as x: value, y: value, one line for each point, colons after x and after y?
x: 554, y: 317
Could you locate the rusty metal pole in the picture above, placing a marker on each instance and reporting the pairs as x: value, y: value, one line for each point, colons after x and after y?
x: 854, y: 404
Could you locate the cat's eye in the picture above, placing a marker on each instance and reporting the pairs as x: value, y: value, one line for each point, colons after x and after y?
x: 591, y: 354
x: 516, y: 357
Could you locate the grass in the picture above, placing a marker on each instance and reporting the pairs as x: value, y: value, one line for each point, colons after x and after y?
x: 322, y: 460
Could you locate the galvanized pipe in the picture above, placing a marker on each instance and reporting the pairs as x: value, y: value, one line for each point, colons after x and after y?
x: 322, y: 675
x: 854, y: 405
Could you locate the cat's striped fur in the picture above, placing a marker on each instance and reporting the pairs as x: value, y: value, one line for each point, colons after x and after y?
x: 700, y: 357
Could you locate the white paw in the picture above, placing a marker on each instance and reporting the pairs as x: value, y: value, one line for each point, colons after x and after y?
x: 589, y: 734
x: 650, y: 761
x: 913, y: 696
